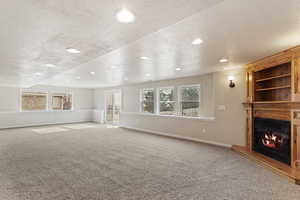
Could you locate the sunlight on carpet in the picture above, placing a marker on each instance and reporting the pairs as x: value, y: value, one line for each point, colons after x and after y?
x: 49, y: 130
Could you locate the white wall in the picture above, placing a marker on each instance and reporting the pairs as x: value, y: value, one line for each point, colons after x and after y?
x: 10, y: 115
x: 217, y: 125
x: 220, y: 126
x: 9, y: 99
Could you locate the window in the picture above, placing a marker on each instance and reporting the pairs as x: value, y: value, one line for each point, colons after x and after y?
x: 62, y: 102
x: 34, y: 101
x: 190, y: 101
x: 147, y: 98
x: 182, y: 101
x: 167, y: 103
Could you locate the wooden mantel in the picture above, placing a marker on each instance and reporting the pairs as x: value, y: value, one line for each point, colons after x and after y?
x: 273, y: 91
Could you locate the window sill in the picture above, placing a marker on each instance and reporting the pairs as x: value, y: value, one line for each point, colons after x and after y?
x: 60, y: 110
x: 33, y: 111
x: 45, y: 111
x: 170, y: 116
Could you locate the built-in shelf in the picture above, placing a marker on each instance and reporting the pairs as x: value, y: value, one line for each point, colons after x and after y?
x: 274, y: 77
x: 273, y: 88
x: 273, y: 83
x: 269, y: 102
x: 271, y: 95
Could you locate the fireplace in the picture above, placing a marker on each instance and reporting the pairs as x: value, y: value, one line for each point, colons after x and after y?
x: 273, y: 139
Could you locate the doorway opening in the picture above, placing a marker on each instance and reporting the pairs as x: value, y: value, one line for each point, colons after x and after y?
x: 113, y: 103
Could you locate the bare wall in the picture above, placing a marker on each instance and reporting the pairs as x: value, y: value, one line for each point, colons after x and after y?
x: 225, y: 126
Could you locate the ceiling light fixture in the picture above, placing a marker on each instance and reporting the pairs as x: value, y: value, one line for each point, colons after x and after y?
x: 38, y: 74
x: 144, y: 57
x: 93, y: 73
x: 223, y: 60
x: 50, y: 65
x: 125, y: 16
x: 178, y: 69
x: 148, y: 75
x: 113, y: 67
x: 72, y: 50
x: 197, y: 41
x: 78, y: 77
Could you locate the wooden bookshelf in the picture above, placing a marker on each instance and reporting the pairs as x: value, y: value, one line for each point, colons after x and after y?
x: 273, y: 92
x: 273, y: 83
x: 270, y: 102
x: 274, y: 88
x: 274, y: 77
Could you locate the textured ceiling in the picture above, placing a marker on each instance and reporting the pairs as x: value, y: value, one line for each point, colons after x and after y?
x: 35, y: 33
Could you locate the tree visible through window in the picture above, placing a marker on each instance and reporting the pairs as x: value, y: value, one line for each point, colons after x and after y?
x: 62, y: 102
x: 148, y: 100
x: 190, y: 101
x: 167, y: 103
x: 34, y: 101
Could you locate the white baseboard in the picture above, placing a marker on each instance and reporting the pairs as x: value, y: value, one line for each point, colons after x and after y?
x: 44, y: 124
x: 40, y: 118
x: 177, y: 136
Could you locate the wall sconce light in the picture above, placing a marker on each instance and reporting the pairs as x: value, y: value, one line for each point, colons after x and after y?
x: 231, y: 83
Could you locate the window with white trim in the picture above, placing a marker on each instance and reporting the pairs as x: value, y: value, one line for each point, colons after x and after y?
x: 34, y: 101
x: 167, y: 102
x: 189, y: 100
x: 62, y: 102
x: 147, y: 100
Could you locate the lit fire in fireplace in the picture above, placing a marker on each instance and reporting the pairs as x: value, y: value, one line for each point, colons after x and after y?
x: 272, y: 140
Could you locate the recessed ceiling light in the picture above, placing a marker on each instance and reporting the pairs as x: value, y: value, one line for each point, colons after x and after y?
x: 38, y: 74
x: 223, y: 60
x: 125, y: 16
x: 93, y: 73
x: 78, y: 77
x: 178, y: 69
x: 197, y: 41
x: 148, y: 75
x: 50, y: 65
x: 144, y: 57
x: 113, y: 67
x: 72, y: 50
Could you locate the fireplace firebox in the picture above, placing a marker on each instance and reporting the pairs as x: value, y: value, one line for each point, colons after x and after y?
x: 272, y: 138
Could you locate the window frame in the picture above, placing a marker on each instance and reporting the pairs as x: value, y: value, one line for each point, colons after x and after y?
x: 142, y: 98
x: 46, y: 94
x: 61, y: 94
x: 158, y: 100
x: 179, y: 113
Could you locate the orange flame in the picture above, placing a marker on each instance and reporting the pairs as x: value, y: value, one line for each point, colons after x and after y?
x: 271, y: 140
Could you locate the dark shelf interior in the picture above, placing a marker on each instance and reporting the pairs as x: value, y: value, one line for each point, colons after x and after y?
x: 273, y: 84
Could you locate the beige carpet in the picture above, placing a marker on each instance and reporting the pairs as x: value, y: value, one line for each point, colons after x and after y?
x: 93, y: 162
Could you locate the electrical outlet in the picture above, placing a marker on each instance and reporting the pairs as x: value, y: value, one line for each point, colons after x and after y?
x: 221, y: 107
